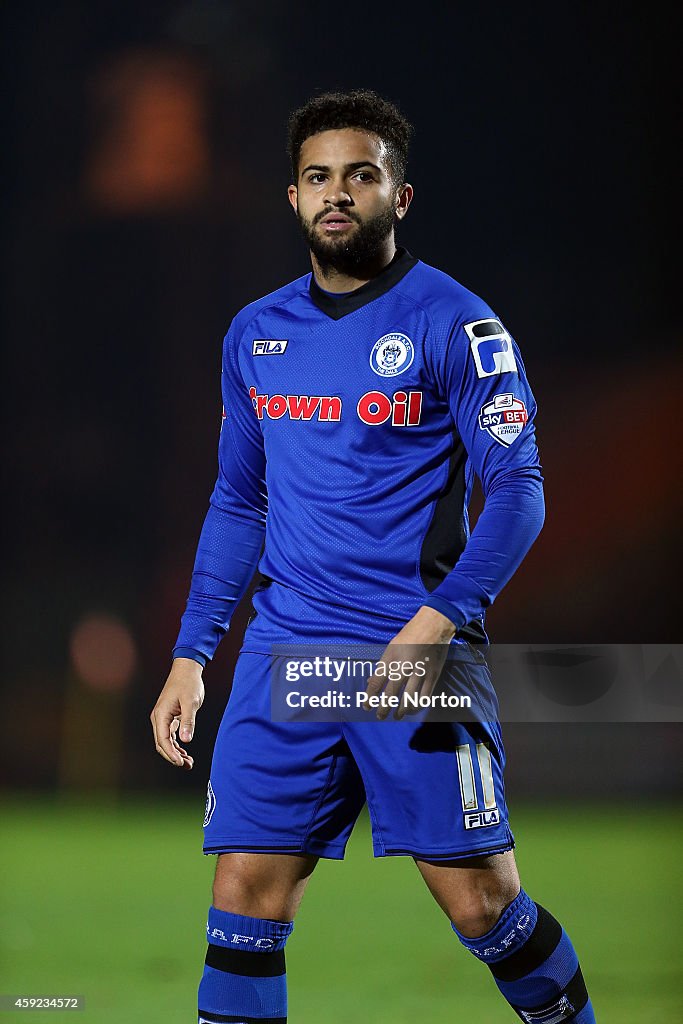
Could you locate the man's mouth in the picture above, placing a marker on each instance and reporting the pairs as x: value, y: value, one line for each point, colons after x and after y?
x: 335, y: 222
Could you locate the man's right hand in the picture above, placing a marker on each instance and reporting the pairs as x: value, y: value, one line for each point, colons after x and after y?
x: 175, y: 710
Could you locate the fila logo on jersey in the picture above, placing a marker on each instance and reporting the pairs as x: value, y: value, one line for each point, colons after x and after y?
x: 268, y: 346
x: 392, y: 354
x: 404, y: 408
x: 491, y: 347
x: 504, y: 418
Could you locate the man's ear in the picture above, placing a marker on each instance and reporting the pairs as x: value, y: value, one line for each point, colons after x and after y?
x: 293, y: 196
x: 404, y: 197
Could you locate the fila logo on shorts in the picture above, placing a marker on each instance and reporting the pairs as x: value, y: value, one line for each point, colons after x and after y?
x: 491, y: 347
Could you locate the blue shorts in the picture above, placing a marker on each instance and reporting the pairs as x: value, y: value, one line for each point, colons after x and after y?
x: 434, y: 789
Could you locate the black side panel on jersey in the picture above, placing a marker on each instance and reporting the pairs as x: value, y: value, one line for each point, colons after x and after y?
x: 261, y: 583
x: 446, y: 537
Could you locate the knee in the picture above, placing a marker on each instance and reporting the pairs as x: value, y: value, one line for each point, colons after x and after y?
x: 478, y: 912
x: 242, y: 885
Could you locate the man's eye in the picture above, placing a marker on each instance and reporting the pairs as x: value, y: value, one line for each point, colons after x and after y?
x: 316, y: 178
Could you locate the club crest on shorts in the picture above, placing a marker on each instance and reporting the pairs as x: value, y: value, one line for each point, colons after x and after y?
x: 503, y: 418
x: 210, y: 804
x: 392, y: 354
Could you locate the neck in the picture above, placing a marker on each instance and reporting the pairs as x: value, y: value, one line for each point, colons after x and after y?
x: 343, y: 278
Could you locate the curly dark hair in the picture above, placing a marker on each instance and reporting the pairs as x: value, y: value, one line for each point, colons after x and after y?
x: 361, y: 108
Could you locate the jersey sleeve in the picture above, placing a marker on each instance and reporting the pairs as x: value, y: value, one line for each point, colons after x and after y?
x: 232, y: 536
x: 493, y: 407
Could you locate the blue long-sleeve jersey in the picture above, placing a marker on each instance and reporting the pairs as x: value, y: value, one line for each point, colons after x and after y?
x: 352, y: 427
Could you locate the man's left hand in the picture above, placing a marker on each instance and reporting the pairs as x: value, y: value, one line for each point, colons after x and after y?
x: 422, y: 644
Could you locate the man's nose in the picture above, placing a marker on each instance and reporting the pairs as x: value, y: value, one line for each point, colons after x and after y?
x: 337, y: 195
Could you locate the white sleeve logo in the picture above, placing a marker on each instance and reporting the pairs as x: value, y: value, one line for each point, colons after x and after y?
x: 491, y: 347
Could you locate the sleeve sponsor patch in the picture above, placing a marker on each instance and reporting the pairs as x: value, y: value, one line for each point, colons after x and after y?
x: 503, y: 418
x: 491, y: 348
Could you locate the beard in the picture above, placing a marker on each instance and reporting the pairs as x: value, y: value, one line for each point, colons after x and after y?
x: 349, y: 255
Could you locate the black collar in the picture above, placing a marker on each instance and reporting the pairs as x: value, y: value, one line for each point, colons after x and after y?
x: 337, y: 306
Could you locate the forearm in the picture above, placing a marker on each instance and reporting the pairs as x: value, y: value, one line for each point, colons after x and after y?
x: 511, y: 520
x: 227, y: 555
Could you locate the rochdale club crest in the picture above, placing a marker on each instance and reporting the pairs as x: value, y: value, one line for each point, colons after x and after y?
x: 504, y: 418
x: 392, y: 354
x: 210, y: 804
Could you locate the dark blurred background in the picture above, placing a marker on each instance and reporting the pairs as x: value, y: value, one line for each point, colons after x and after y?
x: 146, y: 203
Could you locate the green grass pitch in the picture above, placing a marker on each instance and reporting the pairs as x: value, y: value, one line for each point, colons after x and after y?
x: 109, y: 902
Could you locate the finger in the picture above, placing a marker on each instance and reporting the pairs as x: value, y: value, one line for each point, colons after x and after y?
x: 162, y: 720
x: 374, y: 686
x: 180, y: 750
x: 413, y: 687
x: 373, y: 689
x: 157, y: 742
x: 154, y: 725
x: 392, y: 689
x: 187, y: 717
x: 376, y: 683
x: 188, y: 760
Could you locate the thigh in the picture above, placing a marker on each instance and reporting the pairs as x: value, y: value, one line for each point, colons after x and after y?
x: 473, y: 891
x: 278, y: 787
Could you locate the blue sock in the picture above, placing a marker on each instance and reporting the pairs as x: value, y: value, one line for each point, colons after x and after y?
x: 534, y: 965
x: 244, y: 977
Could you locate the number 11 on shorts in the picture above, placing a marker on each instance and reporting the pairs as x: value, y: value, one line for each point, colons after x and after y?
x: 489, y: 815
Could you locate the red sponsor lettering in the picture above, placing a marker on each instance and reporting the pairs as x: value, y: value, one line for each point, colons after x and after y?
x: 330, y: 409
x: 277, y: 406
x: 398, y: 415
x: 404, y: 409
x: 296, y: 407
x: 374, y: 408
x: 515, y: 416
x: 302, y: 407
x: 414, y: 408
